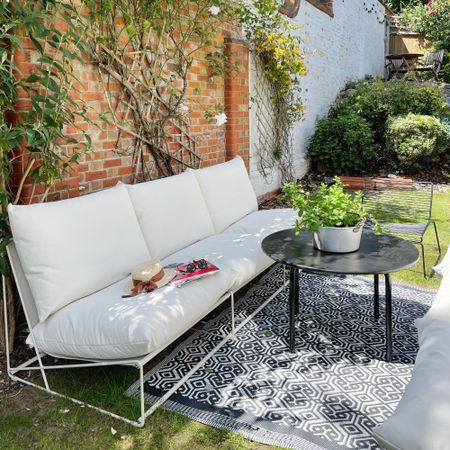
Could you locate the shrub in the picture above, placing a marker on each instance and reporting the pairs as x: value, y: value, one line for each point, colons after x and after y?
x: 431, y: 18
x: 377, y: 100
x: 417, y: 140
x: 444, y: 73
x: 341, y: 144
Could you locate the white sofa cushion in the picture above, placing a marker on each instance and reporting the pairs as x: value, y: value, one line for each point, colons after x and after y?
x: 104, y: 325
x: 172, y: 213
x: 264, y: 222
x: 422, y: 418
x: 72, y: 248
x: 242, y: 255
x: 228, y: 192
x: 444, y: 266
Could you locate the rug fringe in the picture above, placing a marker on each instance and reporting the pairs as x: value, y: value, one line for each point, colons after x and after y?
x: 258, y: 434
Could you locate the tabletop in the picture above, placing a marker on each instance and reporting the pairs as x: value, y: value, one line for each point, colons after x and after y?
x: 405, y: 56
x: 378, y: 254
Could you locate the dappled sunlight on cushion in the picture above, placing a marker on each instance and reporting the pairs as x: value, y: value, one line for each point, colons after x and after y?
x: 105, y: 325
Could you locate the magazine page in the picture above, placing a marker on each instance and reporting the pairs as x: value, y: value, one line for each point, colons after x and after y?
x: 194, y: 270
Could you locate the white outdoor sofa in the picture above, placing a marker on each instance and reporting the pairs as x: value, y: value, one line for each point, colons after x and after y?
x: 72, y: 258
x: 422, y: 418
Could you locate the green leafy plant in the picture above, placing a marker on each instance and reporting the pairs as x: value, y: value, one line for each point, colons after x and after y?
x: 398, y: 5
x: 417, y: 140
x: 275, y: 43
x: 378, y: 100
x: 148, y: 48
x: 432, y: 19
x: 374, y: 101
x: 272, y: 37
x: 329, y: 206
x: 341, y: 144
x: 37, y: 137
x: 172, y: 34
x: 444, y: 73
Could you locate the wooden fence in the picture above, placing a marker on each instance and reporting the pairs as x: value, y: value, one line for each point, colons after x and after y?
x: 402, y: 40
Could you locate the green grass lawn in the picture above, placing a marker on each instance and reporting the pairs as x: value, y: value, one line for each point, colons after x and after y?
x: 33, y: 420
x: 30, y: 419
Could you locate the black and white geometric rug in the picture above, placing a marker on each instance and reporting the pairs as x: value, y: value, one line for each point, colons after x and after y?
x: 329, y: 394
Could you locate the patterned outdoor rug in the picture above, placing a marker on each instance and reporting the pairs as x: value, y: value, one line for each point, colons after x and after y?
x: 329, y: 394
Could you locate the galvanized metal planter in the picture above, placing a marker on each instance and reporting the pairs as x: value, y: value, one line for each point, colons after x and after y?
x: 338, y: 239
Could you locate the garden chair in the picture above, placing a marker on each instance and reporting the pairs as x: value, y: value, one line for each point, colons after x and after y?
x: 404, y: 209
x: 395, y: 67
x: 431, y: 63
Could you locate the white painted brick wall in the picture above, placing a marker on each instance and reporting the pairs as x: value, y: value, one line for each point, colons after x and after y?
x: 337, y: 49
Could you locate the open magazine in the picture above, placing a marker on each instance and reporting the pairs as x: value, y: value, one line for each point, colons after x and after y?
x: 194, y: 270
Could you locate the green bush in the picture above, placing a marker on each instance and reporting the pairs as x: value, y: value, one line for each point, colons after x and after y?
x: 444, y: 73
x: 417, y: 140
x: 378, y: 100
x: 341, y: 144
x: 353, y: 139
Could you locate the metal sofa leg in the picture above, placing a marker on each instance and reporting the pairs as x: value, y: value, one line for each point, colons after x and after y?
x: 142, y: 418
x: 233, y: 322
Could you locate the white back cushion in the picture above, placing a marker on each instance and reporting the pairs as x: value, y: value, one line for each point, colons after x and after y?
x: 228, y: 192
x: 422, y: 418
x: 72, y: 248
x: 172, y: 213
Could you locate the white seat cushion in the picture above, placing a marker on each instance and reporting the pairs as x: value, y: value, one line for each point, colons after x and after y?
x: 228, y: 192
x: 172, y: 213
x: 106, y: 326
x: 242, y: 255
x: 264, y: 222
x: 422, y: 418
x: 72, y: 248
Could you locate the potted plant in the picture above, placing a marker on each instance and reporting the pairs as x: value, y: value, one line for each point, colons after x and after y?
x: 334, y: 216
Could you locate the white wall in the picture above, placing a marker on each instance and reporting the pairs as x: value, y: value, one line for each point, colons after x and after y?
x: 337, y: 49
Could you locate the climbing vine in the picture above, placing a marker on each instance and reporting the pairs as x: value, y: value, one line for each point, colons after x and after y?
x: 36, y: 136
x: 148, y: 48
x: 277, y: 47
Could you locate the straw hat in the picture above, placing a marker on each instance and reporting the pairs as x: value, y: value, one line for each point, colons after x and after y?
x: 148, y: 276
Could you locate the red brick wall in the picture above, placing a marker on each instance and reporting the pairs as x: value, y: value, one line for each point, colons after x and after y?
x: 237, y: 102
x: 104, y: 167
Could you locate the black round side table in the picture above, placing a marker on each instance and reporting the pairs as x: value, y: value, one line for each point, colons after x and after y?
x: 378, y: 255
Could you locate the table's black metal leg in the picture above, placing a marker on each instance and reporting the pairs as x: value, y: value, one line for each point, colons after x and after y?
x: 376, y: 297
x: 293, y: 305
x: 388, y: 318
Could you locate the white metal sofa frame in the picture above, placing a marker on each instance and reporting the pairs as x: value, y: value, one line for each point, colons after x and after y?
x: 27, y: 301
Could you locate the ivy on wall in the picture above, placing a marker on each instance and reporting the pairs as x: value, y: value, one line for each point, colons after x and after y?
x: 275, y: 43
x: 36, y: 137
x: 149, y: 47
